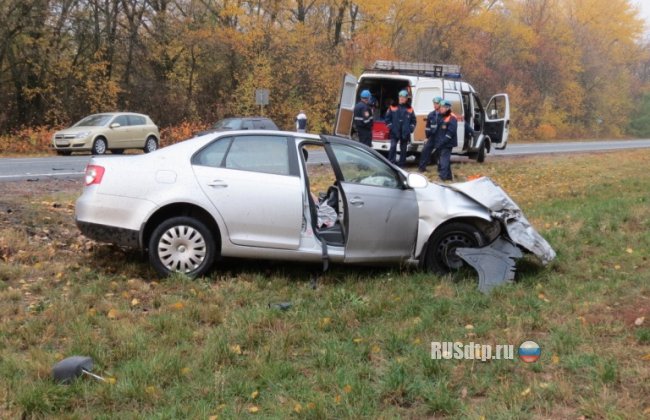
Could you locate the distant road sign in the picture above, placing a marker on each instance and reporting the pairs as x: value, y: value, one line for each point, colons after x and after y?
x: 262, y: 96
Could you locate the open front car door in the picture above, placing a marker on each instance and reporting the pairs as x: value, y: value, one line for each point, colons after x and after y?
x: 497, y: 121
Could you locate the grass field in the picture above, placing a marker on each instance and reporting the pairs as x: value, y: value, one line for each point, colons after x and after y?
x: 356, y: 346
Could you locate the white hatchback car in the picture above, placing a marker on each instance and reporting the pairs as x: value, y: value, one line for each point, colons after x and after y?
x: 111, y: 131
x: 250, y: 194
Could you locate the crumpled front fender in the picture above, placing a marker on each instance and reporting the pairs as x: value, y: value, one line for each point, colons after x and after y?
x: 496, y: 262
x: 502, y: 207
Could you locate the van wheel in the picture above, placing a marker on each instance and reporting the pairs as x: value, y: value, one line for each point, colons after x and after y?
x: 182, y: 245
x: 480, y: 157
x: 441, y: 255
x: 99, y: 146
x: 150, y: 145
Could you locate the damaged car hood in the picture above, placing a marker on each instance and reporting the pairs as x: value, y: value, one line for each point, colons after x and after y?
x: 485, y: 192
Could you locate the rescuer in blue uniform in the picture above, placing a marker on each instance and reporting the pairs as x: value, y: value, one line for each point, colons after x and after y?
x: 401, y: 122
x: 430, y: 131
x: 445, y: 139
x: 363, y: 119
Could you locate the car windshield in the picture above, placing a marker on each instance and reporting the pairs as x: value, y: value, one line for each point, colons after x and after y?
x: 227, y: 124
x: 94, y: 121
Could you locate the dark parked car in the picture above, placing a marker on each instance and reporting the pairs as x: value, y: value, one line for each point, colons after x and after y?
x: 241, y: 123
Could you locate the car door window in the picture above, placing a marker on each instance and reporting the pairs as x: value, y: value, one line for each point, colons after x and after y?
x: 213, y: 154
x: 360, y: 167
x: 122, y: 120
x: 136, y: 120
x: 268, y: 154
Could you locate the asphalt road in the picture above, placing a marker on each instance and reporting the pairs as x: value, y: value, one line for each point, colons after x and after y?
x: 15, y: 169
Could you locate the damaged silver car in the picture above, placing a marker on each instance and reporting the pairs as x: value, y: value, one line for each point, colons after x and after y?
x: 301, y: 197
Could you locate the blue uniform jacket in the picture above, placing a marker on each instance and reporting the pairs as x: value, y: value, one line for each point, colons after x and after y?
x: 362, y: 116
x: 446, y: 135
x: 401, y: 121
x: 432, y: 124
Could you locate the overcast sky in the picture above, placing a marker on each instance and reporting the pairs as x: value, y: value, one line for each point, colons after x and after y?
x: 644, y: 11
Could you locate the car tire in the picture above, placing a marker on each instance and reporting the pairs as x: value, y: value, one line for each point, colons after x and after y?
x: 480, y: 156
x: 150, y: 145
x: 63, y: 152
x: 440, y: 255
x: 99, y: 146
x: 117, y: 151
x: 182, y: 244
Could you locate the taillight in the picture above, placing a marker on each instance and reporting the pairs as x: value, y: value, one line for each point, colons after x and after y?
x: 94, y: 174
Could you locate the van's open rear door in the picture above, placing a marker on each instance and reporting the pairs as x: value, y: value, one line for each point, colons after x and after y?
x: 497, y: 120
x: 343, y: 125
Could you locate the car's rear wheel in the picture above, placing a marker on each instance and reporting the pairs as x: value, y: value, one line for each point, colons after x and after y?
x: 182, y: 245
x: 151, y: 144
x: 99, y: 146
x: 480, y: 157
x: 441, y: 255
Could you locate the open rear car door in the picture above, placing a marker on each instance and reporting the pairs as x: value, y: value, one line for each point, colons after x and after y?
x: 497, y: 120
x: 343, y: 124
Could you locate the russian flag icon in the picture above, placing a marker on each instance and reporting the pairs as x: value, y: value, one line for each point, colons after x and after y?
x: 529, y: 351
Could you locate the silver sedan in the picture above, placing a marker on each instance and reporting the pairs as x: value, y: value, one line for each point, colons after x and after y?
x: 257, y: 194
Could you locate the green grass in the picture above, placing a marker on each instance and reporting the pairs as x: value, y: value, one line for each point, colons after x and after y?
x: 356, y: 346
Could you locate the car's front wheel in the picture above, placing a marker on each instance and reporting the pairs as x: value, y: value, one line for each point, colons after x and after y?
x: 99, y: 146
x: 182, y: 245
x: 441, y: 255
x: 150, y: 145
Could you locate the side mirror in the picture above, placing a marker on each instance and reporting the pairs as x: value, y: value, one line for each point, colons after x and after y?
x: 115, y: 125
x: 417, y: 181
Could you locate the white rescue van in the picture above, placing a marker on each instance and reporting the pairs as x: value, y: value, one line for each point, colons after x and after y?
x: 424, y: 81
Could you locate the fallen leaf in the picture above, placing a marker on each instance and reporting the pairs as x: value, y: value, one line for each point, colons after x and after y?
x: 112, y: 314
x: 525, y: 392
x: 617, y: 267
x: 358, y: 340
x: 629, y: 250
x: 639, y: 321
x: 543, y: 385
x: 297, y: 408
x: 469, y: 327
x: 235, y: 348
x: 253, y: 409
x: 555, y: 359
x: 185, y: 371
x: 417, y: 341
x: 325, y: 321
x: 347, y: 389
x: 177, y: 306
x: 646, y: 357
x: 150, y: 389
x: 311, y: 405
x: 135, y: 302
x: 375, y: 349
x: 255, y: 394
x: 463, y: 392
x: 111, y: 380
x: 92, y: 312
x: 215, y: 417
x: 337, y: 399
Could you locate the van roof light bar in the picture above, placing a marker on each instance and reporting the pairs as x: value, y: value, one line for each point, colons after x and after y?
x: 420, y: 69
